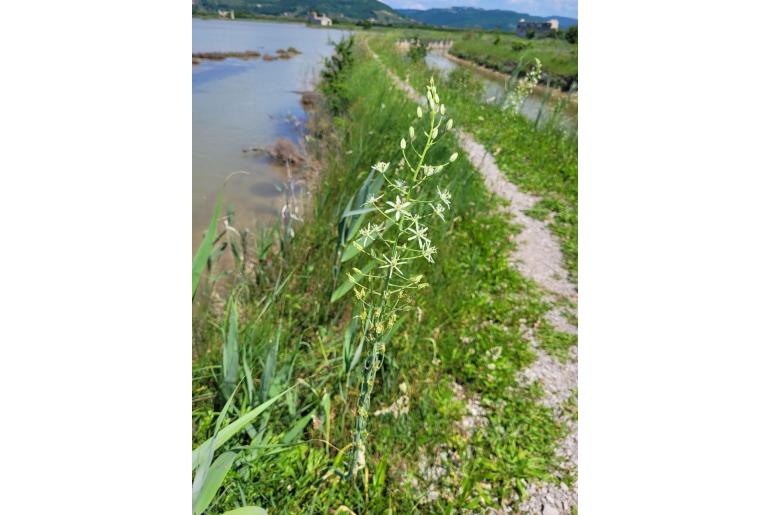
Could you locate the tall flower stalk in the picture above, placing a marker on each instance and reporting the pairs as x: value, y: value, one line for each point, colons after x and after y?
x: 524, y: 87
x: 397, y: 237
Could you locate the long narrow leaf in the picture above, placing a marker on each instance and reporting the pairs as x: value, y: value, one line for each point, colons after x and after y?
x: 233, y: 428
x: 214, y: 479
x: 247, y: 510
x: 230, y: 351
x: 203, y: 252
x: 348, y: 284
x: 351, y: 251
x: 295, y: 431
x: 205, y: 453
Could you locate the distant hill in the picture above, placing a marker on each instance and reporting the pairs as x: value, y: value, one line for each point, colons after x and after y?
x: 472, y: 17
x: 352, y: 10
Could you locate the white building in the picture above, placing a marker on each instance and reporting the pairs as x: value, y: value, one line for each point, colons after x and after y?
x: 321, y: 20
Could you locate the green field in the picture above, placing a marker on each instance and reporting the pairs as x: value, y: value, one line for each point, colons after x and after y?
x: 265, y: 328
x: 507, y: 53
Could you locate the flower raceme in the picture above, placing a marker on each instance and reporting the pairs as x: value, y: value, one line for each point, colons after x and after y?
x: 398, y: 236
x: 524, y: 87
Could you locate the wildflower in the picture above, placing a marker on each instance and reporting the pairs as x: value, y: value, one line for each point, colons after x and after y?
x: 370, y: 232
x: 445, y: 196
x: 427, y: 253
x: 392, y: 263
x: 360, y: 293
x: 381, y: 167
x: 453, y: 158
x: 399, y: 207
x: 400, y: 185
x: 371, y: 200
x: 419, y: 233
x: 439, y: 210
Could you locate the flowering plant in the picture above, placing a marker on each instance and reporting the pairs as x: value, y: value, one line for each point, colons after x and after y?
x: 397, y: 237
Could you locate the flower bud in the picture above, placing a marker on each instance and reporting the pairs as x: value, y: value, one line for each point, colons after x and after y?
x: 449, y: 125
x: 442, y: 109
x: 419, y: 112
x: 411, y: 132
x: 453, y: 158
x: 403, y: 143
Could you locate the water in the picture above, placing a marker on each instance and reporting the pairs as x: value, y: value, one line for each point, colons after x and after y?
x: 239, y: 104
x: 495, y: 90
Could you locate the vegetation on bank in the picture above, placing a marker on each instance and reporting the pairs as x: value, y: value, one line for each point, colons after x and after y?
x: 475, y: 18
x: 339, y: 10
x: 509, y: 54
x: 268, y: 337
x: 539, y: 158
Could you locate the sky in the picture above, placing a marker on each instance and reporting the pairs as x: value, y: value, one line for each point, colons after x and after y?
x: 534, y: 7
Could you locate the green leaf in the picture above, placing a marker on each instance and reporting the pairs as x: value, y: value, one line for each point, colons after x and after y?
x: 232, y: 429
x: 348, y: 284
x: 269, y: 368
x: 205, y: 453
x: 203, y: 252
x: 230, y: 351
x: 214, y: 479
x: 247, y: 510
x: 351, y: 251
x: 295, y: 431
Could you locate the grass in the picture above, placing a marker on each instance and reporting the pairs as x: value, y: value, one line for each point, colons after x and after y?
x: 504, y: 52
x: 542, y: 160
x: 508, y: 53
x: 269, y: 318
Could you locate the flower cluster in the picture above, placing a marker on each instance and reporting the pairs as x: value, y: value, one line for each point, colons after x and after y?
x: 524, y: 87
x: 398, y: 236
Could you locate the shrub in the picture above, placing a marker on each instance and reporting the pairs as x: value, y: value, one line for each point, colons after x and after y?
x: 572, y: 35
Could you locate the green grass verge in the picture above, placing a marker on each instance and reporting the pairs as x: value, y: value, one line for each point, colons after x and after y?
x: 466, y: 333
x: 540, y: 160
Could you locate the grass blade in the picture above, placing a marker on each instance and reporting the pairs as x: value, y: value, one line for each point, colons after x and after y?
x: 230, y: 351
x: 214, y: 478
x: 348, y: 284
x: 233, y: 428
x: 247, y: 510
x: 295, y: 431
x: 203, y: 252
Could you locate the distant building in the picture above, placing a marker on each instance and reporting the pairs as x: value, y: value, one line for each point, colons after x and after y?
x: 321, y: 20
x: 225, y: 15
x: 539, y: 28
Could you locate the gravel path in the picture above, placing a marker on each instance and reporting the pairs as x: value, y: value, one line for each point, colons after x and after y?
x: 537, y: 256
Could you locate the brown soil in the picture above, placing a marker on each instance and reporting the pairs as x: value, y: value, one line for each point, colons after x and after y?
x: 285, y: 151
x: 220, y: 56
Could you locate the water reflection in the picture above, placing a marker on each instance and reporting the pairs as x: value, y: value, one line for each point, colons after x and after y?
x: 243, y: 104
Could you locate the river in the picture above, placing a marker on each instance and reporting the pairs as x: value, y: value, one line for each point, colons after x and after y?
x: 539, y: 104
x: 240, y: 104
